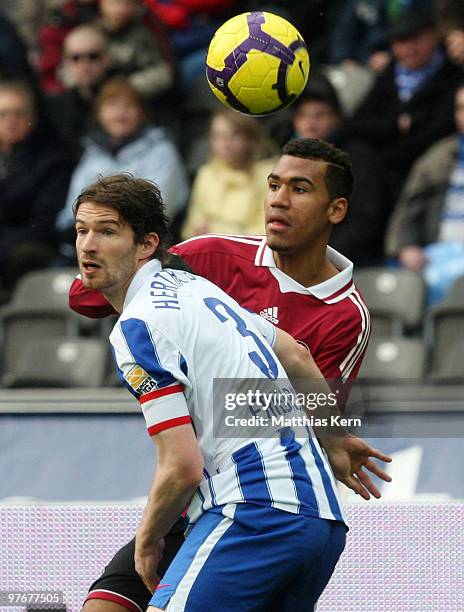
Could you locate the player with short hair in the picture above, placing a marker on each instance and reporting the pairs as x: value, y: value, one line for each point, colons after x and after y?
x: 292, y: 278
x: 262, y: 504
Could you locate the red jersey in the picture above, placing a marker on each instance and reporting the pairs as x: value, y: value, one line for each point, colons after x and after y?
x: 331, y: 318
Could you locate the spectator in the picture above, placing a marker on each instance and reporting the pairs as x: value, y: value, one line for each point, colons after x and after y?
x: 228, y: 192
x: 317, y: 114
x: 410, y: 105
x: 314, y: 20
x: 28, y: 17
x: 134, y: 50
x: 361, y: 31
x: 450, y: 15
x: 86, y: 63
x: 60, y: 21
x: 34, y: 177
x: 123, y: 141
x: 426, y: 232
x: 13, y: 53
x: 190, y: 25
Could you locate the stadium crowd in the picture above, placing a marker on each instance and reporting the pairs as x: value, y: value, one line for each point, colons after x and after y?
x: 92, y: 87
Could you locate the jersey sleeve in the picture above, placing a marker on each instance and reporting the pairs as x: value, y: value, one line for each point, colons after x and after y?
x: 88, y: 302
x: 265, y: 328
x: 342, y: 354
x: 151, y: 367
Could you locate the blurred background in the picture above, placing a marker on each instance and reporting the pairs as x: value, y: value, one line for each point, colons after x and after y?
x: 103, y: 86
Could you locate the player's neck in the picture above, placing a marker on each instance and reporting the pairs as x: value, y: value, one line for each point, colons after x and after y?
x: 308, y: 269
x: 117, y: 295
x: 115, y: 299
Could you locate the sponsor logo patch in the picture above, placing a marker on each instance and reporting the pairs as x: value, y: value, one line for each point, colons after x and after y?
x: 140, y: 380
x: 271, y: 314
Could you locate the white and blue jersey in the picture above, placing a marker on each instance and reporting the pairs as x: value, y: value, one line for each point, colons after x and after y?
x: 178, y: 333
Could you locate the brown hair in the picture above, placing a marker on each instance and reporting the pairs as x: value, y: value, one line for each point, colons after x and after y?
x: 21, y: 88
x: 249, y: 127
x: 138, y: 202
x: 118, y: 87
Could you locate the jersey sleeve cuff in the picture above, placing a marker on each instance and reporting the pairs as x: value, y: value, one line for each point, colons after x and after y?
x: 157, y: 393
x: 169, y: 424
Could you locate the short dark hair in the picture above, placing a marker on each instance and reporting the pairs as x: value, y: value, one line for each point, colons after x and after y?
x: 320, y: 89
x: 339, y: 174
x: 321, y: 97
x: 138, y: 202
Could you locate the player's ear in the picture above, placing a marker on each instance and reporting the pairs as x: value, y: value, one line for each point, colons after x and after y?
x: 149, y: 245
x: 337, y: 210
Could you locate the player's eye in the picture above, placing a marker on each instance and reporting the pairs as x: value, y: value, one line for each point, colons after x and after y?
x: 273, y: 186
x: 80, y: 231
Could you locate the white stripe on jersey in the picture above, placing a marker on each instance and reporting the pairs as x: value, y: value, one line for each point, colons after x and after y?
x: 260, y: 253
x: 134, y: 603
x: 366, y: 339
x: 255, y: 240
x: 179, y: 599
x: 265, y: 472
x: 164, y: 408
x: 366, y: 330
x: 206, y: 493
x: 316, y: 478
x: 231, y: 491
x: 363, y: 335
x: 280, y: 488
x: 342, y: 296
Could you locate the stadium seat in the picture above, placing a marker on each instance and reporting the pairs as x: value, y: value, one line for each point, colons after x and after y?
x: 392, y: 359
x: 455, y: 295
x: 59, y: 362
x: 352, y: 82
x: 45, y: 290
x: 448, y: 366
x: 395, y: 298
x: 39, y: 310
x: 444, y: 333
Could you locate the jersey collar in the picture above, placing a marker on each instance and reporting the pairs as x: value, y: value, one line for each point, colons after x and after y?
x: 151, y: 267
x: 330, y: 291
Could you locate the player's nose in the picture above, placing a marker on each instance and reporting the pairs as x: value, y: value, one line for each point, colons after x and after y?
x: 279, y: 198
x: 88, y: 243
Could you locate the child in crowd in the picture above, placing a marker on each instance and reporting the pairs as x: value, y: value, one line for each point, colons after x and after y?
x: 123, y: 141
x: 228, y: 191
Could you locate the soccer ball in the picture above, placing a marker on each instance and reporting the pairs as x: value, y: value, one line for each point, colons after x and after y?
x: 257, y: 63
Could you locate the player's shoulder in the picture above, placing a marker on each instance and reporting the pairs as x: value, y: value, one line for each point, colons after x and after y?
x: 348, y: 310
x: 340, y: 292
x: 158, y: 306
x: 220, y: 245
x: 159, y: 293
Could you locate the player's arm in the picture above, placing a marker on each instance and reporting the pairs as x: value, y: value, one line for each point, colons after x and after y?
x: 179, y: 470
x: 348, y: 455
x: 148, y: 360
x: 296, y: 359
